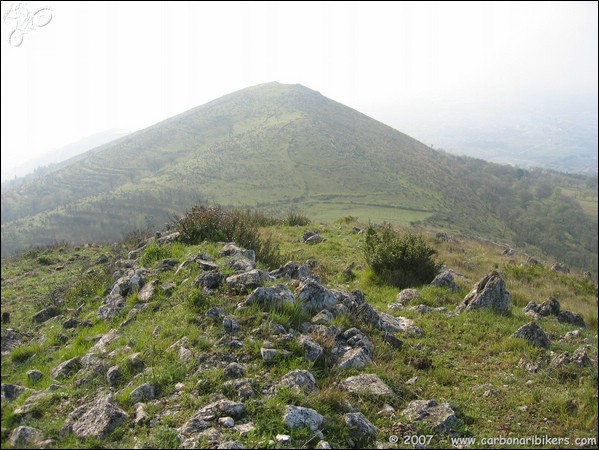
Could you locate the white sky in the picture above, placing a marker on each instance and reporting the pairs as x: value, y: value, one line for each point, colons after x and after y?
x: 103, y: 65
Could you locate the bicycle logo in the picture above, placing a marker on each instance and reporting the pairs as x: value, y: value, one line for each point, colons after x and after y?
x: 25, y: 21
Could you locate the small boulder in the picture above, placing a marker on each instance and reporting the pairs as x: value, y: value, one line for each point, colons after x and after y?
x: 441, y: 418
x: 45, y: 314
x: 445, y: 280
x: 26, y: 437
x: 533, y: 334
x: 407, y: 295
x: 142, y: 393
x: 300, y: 381
x: 96, y: 419
x: 66, y: 368
x: 360, y: 428
x: 299, y: 417
x: 270, y: 297
x: 490, y: 292
x: 571, y: 318
x: 367, y: 384
x: 315, y: 297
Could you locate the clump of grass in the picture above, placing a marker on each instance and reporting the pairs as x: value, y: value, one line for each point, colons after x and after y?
x: 296, y: 217
x: 216, y: 224
x: 399, y: 261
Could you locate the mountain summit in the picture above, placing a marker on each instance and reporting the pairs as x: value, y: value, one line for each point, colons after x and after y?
x: 273, y: 146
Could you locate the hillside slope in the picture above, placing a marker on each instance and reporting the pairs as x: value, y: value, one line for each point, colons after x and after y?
x: 196, y: 359
x: 272, y: 146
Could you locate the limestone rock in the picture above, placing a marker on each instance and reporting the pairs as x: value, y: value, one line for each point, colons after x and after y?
x: 441, y: 418
x: 367, y: 384
x: 270, y: 297
x: 360, y: 428
x: 300, y: 381
x: 66, y: 368
x: 490, y: 292
x: 406, y: 296
x: 315, y: 297
x: 142, y: 393
x: 248, y: 280
x: 445, y: 280
x: 26, y: 437
x: 96, y: 419
x: 299, y: 417
x: 45, y: 314
x: 10, y: 392
x: 533, y: 334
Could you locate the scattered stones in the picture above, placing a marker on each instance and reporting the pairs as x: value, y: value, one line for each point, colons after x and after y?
x: 315, y: 297
x: 283, y: 438
x: 312, y: 350
x: 358, y: 309
x: 571, y: 336
x: 407, y: 295
x: 299, y: 417
x: 533, y: 334
x: 142, y: 393
x: 270, y: 354
x: 490, y: 292
x: 243, y: 387
x: 392, y: 340
x: 66, y: 368
x: 300, y: 381
x: 141, y: 416
x: 580, y: 357
x: 70, y: 323
x: 445, y: 280
x: 311, y: 237
x: 367, y: 384
x: 96, y: 419
x: 561, y: 268
x: 441, y: 418
x: 45, y: 314
x: 360, y: 428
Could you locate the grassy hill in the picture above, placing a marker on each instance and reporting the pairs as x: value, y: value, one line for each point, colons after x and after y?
x: 470, y: 361
x: 274, y: 146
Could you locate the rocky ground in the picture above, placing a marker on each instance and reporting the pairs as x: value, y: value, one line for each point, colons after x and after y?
x: 174, y: 346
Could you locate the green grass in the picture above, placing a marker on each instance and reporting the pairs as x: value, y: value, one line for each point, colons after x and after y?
x: 452, y: 361
x: 278, y: 147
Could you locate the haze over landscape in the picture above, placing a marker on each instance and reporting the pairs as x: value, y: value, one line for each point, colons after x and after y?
x: 299, y: 225
x: 481, y: 79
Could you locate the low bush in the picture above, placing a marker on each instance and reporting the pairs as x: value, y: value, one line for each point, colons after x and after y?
x: 400, y: 261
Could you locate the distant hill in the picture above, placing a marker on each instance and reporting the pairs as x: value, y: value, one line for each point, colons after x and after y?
x: 57, y: 158
x: 274, y: 146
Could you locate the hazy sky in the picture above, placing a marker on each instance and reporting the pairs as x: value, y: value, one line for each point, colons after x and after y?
x: 97, y: 66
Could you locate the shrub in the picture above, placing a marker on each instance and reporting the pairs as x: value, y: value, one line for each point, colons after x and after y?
x: 216, y: 224
x: 296, y: 217
x: 400, y: 261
